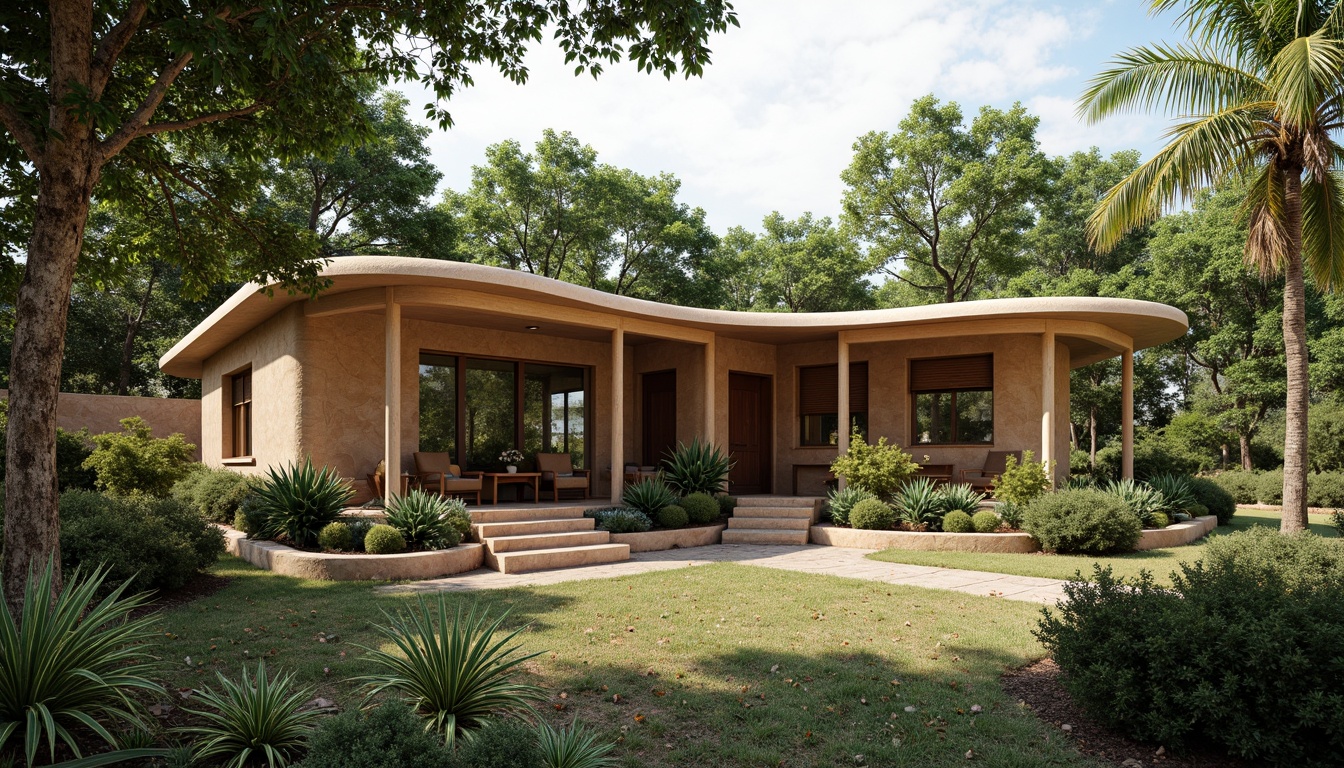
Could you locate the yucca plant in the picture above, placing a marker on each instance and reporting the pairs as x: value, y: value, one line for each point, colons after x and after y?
x: 298, y: 501
x: 1080, y: 483
x: 423, y: 519
x: 73, y: 662
x: 841, y: 500
x: 1143, y: 500
x: 697, y: 467
x: 960, y: 497
x: 648, y: 496
x: 456, y: 673
x: 918, y: 503
x: 1177, y: 491
x: 260, y: 720
x: 572, y: 747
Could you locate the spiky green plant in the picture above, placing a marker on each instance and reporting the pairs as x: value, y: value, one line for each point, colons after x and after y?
x: 73, y: 662
x: 1080, y: 483
x: 918, y: 504
x: 649, y: 496
x: 423, y: 519
x: 840, y: 501
x: 697, y: 467
x: 251, y: 721
x: 962, y: 497
x: 299, y: 500
x: 1143, y: 500
x: 1177, y: 491
x: 455, y: 673
x: 572, y: 747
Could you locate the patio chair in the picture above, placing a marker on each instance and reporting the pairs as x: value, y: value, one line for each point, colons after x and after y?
x: 996, y: 462
x: 558, y: 474
x: 436, y: 471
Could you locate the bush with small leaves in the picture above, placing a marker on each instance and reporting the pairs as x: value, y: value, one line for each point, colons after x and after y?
x: 458, y: 517
x: 726, y: 504
x: 957, y: 521
x: 251, y: 517
x: 387, y: 736
x: 672, y: 516
x: 840, y: 501
x: 500, y: 744
x: 1160, y: 520
x: 1325, y: 490
x: 359, y: 528
x: 701, y: 508
x: 384, y: 540
x: 985, y: 521
x: 1237, y: 484
x: 880, y: 468
x: 1215, y: 499
x: 620, y: 519
x: 1269, y: 487
x: 335, y: 537
x: 134, y: 461
x: 217, y: 494
x: 1083, y: 522
x: 872, y: 515
x: 1022, y: 482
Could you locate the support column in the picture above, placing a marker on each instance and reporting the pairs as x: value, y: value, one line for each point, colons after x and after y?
x: 1048, y: 397
x: 1127, y: 413
x: 617, y: 414
x: 711, y: 403
x: 842, y: 399
x: 392, y: 396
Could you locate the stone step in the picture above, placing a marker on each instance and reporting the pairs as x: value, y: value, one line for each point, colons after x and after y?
x: 498, y: 544
x: 804, y: 513
x: 523, y: 514
x: 564, y: 557
x: 810, y: 502
x: 524, y: 527
x: 763, y: 536
x: 773, y: 523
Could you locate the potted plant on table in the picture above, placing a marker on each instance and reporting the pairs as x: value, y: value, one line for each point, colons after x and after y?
x: 511, y: 458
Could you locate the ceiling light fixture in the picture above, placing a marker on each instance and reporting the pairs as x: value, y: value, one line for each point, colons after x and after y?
x: 533, y: 327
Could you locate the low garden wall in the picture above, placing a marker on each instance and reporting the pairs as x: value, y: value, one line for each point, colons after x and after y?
x: 680, y: 538
x: 1174, y: 535
x: 287, y: 561
x: 1178, y: 534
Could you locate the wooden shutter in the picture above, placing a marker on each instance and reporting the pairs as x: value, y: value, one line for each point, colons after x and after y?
x: 858, y: 387
x: 819, y: 389
x: 944, y: 374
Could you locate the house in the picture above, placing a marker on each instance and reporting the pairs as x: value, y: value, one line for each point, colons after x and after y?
x: 403, y: 354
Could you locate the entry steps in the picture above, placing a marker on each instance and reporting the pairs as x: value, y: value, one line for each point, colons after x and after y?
x: 772, y: 520
x: 519, y: 540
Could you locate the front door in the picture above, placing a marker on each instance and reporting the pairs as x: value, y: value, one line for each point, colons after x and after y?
x: 660, y: 416
x: 749, y: 433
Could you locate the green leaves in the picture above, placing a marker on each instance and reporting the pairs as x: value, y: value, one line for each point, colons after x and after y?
x: 251, y: 721
x: 697, y: 467
x: 299, y: 500
x: 423, y: 519
x: 648, y: 496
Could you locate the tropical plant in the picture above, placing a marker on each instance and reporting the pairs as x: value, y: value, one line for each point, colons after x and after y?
x: 572, y: 747
x: 1141, y: 499
x: 697, y: 467
x: 73, y: 661
x: 1010, y: 513
x: 1258, y: 93
x: 134, y: 461
x: 648, y: 496
x: 252, y: 720
x: 961, y: 496
x: 300, y: 499
x: 1080, y: 483
x: 1022, y: 481
x: 422, y: 519
x: 919, y: 504
x: 880, y: 468
x: 455, y: 673
x: 1177, y: 491
x: 840, y: 501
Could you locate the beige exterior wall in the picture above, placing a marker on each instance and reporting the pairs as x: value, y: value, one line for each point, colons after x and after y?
x: 688, y: 360
x: 103, y: 413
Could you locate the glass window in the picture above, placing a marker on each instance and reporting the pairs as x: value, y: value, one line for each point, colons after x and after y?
x: 554, y: 411
x: 491, y: 404
x: 954, y: 417
x: 438, y: 404
x: 240, y: 419
x: 818, y: 403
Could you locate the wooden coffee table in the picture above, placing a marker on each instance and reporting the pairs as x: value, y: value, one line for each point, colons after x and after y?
x: 496, y: 479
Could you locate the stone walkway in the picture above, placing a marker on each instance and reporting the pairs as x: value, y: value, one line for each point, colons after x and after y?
x: 833, y: 561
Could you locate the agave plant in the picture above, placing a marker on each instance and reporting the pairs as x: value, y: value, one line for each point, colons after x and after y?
x: 299, y: 500
x: 572, y: 747
x: 250, y: 721
x: 918, y: 503
x: 1142, y: 499
x: 73, y: 662
x: 1080, y: 483
x: 457, y: 674
x: 698, y: 467
x: 1177, y: 490
x: 648, y: 496
x: 424, y: 520
x: 960, y: 497
x: 840, y: 501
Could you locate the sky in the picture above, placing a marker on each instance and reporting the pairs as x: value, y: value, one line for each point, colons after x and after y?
x: 772, y: 122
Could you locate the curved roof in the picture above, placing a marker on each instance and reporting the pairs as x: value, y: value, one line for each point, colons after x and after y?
x: 1147, y: 323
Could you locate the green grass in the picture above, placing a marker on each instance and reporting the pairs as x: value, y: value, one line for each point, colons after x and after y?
x: 716, y: 665
x: 1161, y: 562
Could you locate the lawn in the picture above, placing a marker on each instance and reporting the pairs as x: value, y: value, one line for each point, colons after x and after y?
x: 1161, y: 562
x: 715, y: 665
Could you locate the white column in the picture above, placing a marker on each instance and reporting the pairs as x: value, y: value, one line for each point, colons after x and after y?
x: 392, y: 396
x: 1127, y: 413
x: 617, y: 414
x: 842, y: 398
x: 1048, y: 396
x: 711, y: 404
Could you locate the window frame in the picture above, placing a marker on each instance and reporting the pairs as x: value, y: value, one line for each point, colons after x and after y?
x: 240, y: 446
x: 800, y: 416
x: 953, y: 392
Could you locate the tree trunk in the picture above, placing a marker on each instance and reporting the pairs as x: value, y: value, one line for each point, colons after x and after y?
x: 1225, y: 451
x: 133, y: 325
x: 1245, y: 445
x: 1092, y: 434
x: 1295, y: 353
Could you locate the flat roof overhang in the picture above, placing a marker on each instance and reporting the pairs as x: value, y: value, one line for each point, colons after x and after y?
x: 492, y: 297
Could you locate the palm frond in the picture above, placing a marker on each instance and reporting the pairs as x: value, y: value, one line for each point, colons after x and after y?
x: 1253, y: 29
x: 1323, y: 229
x: 1304, y: 74
x: 1175, y: 78
x: 1267, y: 239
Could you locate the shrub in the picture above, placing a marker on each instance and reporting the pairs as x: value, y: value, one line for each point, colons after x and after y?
x: 500, y: 744
x: 1337, y: 520
x: 1260, y: 625
x: 1238, y: 484
x: 1269, y: 487
x: 572, y: 747
x: 648, y: 496
x: 1160, y: 520
x: 1080, y: 482
x: 422, y: 519
x: 456, y: 676
x: 1325, y: 490
x: 335, y: 537
x: 919, y: 504
x: 872, y: 515
x: 134, y: 461
x: 384, y: 540
x: 1010, y: 514
x: 1177, y: 491
x: 387, y: 736
x: 217, y: 494
x: 700, y: 467
x: 359, y: 529
x: 957, y: 521
x: 1020, y: 483
x: 1144, y: 501
x: 672, y: 516
x: 251, y: 516
x: 250, y: 721
x: 700, y: 508
x: 150, y: 543
x: 1214, y: 498
x: 985, y: 521
x: 1086, y: 522
x: 726, y: 504
x: 458, y: 517
x: 620, y: 519
x: 962, y: 497
x: 841, y: 500
x: 300, y: 499
x: 880, y: 468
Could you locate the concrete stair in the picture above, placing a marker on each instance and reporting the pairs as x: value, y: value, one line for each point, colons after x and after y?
x: 519, y: 540
x: 772, y: 520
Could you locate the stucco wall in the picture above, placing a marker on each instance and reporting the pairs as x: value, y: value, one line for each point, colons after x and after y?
x: 103, y: 413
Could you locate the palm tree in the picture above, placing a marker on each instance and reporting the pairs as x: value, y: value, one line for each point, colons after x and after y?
x: 1257, y: 91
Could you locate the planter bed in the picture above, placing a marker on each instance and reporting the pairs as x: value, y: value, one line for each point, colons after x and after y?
x: 1178, y: 534
x: 288, y: 561
x: 678, y: 538
x: 1174, y: 535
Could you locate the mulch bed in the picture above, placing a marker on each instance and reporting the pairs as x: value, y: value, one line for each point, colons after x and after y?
x: 1038, y: 686
x: 204, y: 585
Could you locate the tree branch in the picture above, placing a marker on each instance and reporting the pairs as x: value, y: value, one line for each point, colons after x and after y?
x: 213, y: 117
x: 23, y: 135
x: 133, y: 126
x: 113, y: 43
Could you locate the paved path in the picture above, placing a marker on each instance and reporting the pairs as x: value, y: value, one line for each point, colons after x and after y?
x: 833, y: 561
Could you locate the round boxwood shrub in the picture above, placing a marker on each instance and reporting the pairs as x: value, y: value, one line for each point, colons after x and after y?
x: 390, y: 735
x: 985, y: 521
x: 1216, y: 499
x: 1082, y: 521
x: 335, y: 537
x: 1160, y: 520
x: 701, y: 508
x: 872, y: 515
x: 384, y: 540
x: 958, y: 521
x: 726, y: 504
x: 1197, y: 510
x: 672, y: 516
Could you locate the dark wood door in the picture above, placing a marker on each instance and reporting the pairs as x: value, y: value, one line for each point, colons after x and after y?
x: 749, y: 433
x: 660, y: 416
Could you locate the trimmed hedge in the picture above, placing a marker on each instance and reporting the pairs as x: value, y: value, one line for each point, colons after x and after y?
x: 701, y: 508
x: 958, y: 521
x: 1082, y: 521
x: 985, y: 521
x: 872, y: 515
x: 1324, y: 489
x: 672, y: 516
x: 384, y: 540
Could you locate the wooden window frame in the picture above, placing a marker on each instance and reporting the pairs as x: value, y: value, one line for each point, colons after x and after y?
x: 915, y: 392
x: 858, y: 372
x: 240, y: 415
